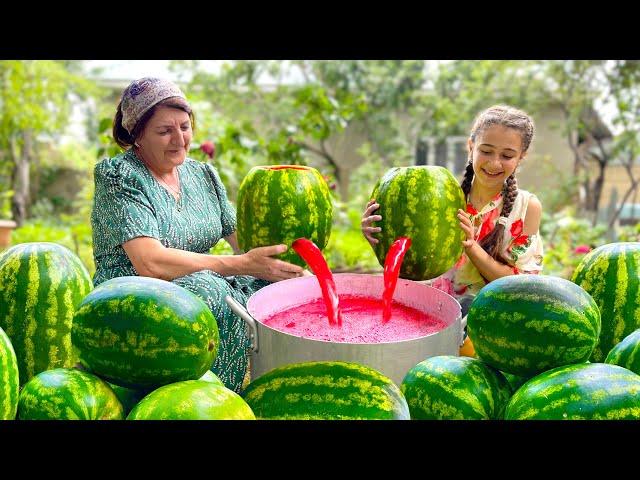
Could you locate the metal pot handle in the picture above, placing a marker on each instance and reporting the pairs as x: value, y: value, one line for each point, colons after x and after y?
x: 463, y: 324
x: 242, y: 312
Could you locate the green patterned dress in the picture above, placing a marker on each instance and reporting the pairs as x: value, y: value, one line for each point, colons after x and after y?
x: 129, y: 203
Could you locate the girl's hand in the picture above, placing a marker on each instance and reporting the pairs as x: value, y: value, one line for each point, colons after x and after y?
x: 467, y: 228
x: 367, y: 220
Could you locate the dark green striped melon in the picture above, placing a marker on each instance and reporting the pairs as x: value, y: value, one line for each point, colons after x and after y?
x: 611, y: 275
x: 448, y: 387
x: 142, y: 332
x: 627, y: 353
x: 9, y: 379
x: 325, y: 391
x: 41, y: 285
x: 278, y: 204
x: 587, y: 391
x: 515, y: 381
x: 420, y: 203
x: 526, y: 324
x: 130, y: 397
x: 68, y: 394
x: 192, y: 400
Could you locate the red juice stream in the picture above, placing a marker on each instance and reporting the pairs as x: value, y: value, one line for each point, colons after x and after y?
x: 311, y: 254
x: 392, y: 263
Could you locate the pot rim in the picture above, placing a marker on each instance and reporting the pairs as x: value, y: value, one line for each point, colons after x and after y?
x: 455, y: 322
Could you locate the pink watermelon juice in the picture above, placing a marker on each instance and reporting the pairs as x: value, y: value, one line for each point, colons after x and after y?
x: 360, y: 321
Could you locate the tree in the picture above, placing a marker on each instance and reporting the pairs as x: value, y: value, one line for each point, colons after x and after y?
x: 35, y: 100
x: 575, y: 86
x: 292, y: 122
x: 623, y: 78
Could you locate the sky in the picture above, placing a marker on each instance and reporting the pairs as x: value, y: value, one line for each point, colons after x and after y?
x: 132, y: 69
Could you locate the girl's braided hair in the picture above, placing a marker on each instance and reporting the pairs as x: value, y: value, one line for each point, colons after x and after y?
x: 511, y: 118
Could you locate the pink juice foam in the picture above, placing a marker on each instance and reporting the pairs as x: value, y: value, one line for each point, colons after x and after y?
x: 360, y: 322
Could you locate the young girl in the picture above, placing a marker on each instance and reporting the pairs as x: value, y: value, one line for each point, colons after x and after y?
x: 501, y: 222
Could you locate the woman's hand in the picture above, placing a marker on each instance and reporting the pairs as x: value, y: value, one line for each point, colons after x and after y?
x: 367, y: 220
x: 467, y: 228
x: 258, y: 262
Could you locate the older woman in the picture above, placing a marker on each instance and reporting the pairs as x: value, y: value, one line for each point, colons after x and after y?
x: 157, y: 213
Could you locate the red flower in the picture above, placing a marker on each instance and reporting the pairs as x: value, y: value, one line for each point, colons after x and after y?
x: 521, y: 240
x: 208, y: 148
x: 516, y: 228
x: 488, y: 224
x: 582, y: 249
x: 471, y: 210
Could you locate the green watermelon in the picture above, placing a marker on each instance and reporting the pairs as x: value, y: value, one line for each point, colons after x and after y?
x: 192, y: 400
x: 448, y: 387
x: 130, y: 397
x: 278, y: 204
x: 627, y: 353
x: 9, y: 379
x: 611, y: 275
x: 41, y: 285
x: 420, y: 203
x: 211, y: 377
x: 587, y: 391
x: 515, y: 381
x: 325, y: 391
x: 526, y: 324
x: 142, y: 333
x: 68, y: 394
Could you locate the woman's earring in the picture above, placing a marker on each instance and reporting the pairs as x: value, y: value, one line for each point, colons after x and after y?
x: 136, y: 144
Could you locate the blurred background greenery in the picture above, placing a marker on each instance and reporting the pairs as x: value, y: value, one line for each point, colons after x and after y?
x: 352, y: 120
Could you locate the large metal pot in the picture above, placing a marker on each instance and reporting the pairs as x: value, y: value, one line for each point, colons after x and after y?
x: 271, y: 348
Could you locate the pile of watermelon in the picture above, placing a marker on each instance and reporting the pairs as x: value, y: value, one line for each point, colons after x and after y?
x: 141, y: 348
x: 133, y: 347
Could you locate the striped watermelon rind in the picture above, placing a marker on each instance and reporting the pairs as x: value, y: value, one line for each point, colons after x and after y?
x: 447, y: 387
x: 278, y: 204
x: 611, y: 275
x: 627, y: 353
x: 588, y: 391
x: 526, y: 324
x: 192, y: 400
x: 41, y: 285
x: 130, y: 397
x: 9, y: 379
x: 325, y: 391
x: 420, y: 202
x: 68, y: 394
x: 143, y: 333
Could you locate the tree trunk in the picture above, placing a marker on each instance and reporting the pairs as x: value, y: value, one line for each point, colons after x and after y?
x: 343, y: 184
x: 597, y: 189
x: 21, y: 158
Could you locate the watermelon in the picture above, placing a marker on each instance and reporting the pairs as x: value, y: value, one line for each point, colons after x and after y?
x: 515, y: 382
x: 9, y: 379
x: 420, y: 203
x: 588, y: 391
x: 130, y: 397
x: 325, y: 391
x: 142, y: 333
x: 192, y: 400
x: 41, y: 285
x: 526, y: 324
x: 68, y: 394
x: 448, y: 387
x: 280, y: 203
x: 611, y: 275
x: 627, y: 353
x: 211, y: 377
